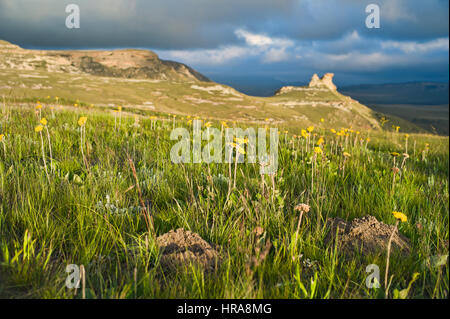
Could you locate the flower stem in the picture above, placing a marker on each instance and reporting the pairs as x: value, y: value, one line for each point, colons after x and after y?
x: 43, y: 157
x: 388, y: 256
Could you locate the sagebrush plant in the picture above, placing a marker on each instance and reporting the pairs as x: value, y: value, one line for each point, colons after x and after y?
x: 48, y: 224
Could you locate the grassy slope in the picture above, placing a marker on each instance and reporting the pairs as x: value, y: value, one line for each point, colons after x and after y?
x: 422, y: 103
x: 434, y: 118
x: 66, y: 224
x: 181, y: 98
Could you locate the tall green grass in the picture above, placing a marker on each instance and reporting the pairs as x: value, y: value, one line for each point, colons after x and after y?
x: 92, y: 216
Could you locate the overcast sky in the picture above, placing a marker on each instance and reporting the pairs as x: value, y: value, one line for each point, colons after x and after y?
x: 281, y: 39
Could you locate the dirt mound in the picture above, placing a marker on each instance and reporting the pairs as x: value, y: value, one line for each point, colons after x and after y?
x: 182, y: 247
x: 366, y: 234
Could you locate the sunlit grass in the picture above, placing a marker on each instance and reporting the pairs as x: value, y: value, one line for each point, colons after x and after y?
x: 51, y: 218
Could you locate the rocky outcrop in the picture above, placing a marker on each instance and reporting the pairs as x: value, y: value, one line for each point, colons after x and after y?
x: 316, y: 84
x: 325, y: 81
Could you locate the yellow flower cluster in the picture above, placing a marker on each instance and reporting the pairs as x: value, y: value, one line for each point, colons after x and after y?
x: 318, y: 150
x: 305, y: 133
x: 320, y: 141
x: 82, y: 121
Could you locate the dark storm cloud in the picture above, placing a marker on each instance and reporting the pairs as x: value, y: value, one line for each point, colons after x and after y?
x: 284, y: 38
x: 400, y: 19
x: 167, y: 24
x: 188, y: 24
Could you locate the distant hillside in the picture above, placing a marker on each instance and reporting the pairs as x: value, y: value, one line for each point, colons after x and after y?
x: 129, y: 63
x: 425, y: 104
x: 426, y: 93
x: 146, y: 85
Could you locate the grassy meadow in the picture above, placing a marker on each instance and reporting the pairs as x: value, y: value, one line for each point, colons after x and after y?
x: 82, y: 204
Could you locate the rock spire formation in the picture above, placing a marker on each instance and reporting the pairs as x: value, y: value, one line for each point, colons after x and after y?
x: 326, y: 80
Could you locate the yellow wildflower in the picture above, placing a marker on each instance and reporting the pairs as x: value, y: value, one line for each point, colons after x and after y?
x: 400, y: 216
x: 320, y: 141
x: 82, y: 121
x: 304, y: 133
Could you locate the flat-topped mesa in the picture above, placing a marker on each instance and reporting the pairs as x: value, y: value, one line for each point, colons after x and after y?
x: 326, y: 80
x: 121, y: 63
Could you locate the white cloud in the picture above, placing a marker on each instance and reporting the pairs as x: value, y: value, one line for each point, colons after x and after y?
x: 353, y: 52
x: 270, y: 49
x: 208, y: 57
x: 360, y: 61
x: 410, y: 47
x: 253, y: 39
x: 276, y: 55
x: 262, y: 40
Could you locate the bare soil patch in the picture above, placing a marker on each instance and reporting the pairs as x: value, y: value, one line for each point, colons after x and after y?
x: 181, y: 247
x: 366, y: 234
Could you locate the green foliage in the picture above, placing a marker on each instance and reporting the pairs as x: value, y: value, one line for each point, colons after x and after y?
x: 93, y: 216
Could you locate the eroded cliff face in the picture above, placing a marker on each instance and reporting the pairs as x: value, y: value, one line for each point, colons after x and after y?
x: 129, y: 63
